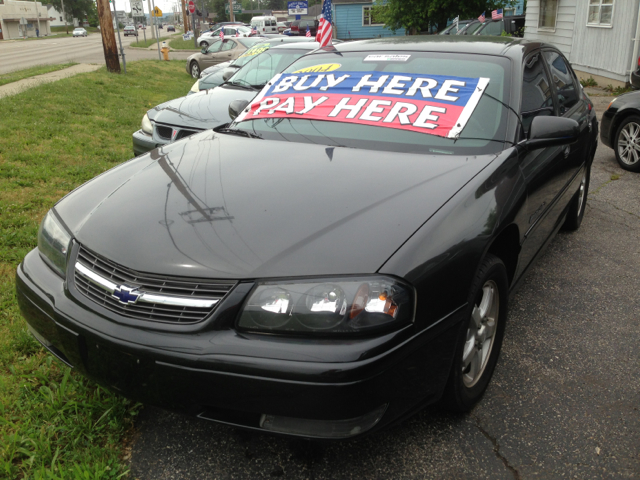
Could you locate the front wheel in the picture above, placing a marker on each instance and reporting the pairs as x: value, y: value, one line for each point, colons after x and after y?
x: 627, y: 144
x: 204, y: 44
x: 195, y: 70
x: 480, y: 338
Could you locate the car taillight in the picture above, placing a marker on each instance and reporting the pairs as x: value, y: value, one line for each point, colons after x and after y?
x: 638, y: 62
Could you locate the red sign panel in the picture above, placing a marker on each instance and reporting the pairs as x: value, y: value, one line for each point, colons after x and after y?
x: 192, y: 6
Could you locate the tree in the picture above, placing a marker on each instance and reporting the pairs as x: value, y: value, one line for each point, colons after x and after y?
x: 79, y: 9
x: 419, y: 15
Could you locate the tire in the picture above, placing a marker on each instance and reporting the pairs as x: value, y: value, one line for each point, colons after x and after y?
x: 627, y: 144
x: 204, y: 44
x: 195, y: 69
x: 480, y: 337
x: 578, y: 203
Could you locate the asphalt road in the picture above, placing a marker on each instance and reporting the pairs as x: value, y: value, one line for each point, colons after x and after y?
x: 564, y: 401
x: 20, y: 54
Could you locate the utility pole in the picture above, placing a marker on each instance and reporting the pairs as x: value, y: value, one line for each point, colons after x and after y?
x: 124, y: 62
x: 65, y: 17
x: 153, y: 33
x: 184, y: 17
x: 231, y: 15
x: 108, y: 37
x: 37, y: 13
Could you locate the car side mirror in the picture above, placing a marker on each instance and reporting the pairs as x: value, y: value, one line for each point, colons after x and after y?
x: 227, y: 74
x: 236, y: 107
x: 548, y: 131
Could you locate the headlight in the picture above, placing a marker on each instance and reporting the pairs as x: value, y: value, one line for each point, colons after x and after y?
x: 147, y: 127
x: 53, y: 243
x: 196, y: 86
x: 328, y: 306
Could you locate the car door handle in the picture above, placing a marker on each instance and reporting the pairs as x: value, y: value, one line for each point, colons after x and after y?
x: 567, y: 151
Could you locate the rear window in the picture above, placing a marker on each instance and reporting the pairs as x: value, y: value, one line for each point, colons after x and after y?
x: 383, y: 104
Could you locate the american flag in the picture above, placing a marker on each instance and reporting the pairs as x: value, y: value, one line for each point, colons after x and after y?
x: 325, y: 27
x: 482, y: 18
x: 496, y: 14
x: 308, y: 34
x: 254, y: 30
x: 221, y: 34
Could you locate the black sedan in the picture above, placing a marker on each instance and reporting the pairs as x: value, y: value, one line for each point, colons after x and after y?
x: 333, y: 291
x: 621, y: 130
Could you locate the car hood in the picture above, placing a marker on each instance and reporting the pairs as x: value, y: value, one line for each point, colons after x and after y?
x: 203, y: 110
x: 225, y: 206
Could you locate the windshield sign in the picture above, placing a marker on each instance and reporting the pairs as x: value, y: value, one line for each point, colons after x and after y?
x: 433, y: 104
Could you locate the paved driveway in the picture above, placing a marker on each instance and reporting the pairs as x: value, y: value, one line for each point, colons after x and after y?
x: 564, y: 401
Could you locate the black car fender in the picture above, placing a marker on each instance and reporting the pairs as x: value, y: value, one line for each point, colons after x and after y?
x: 442, y: 257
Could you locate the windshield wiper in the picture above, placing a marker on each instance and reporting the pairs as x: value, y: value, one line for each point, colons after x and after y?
x: 235, y: 131
x: 244, y: 84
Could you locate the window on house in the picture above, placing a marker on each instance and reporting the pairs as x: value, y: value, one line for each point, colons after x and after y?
x: 508, y: 12
x: 548, y: 14
x: 60, y: 18
x: 368, y: 17
x: 600, y: 12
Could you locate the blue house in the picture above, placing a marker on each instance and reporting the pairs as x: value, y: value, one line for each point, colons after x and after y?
x: 353, y: 20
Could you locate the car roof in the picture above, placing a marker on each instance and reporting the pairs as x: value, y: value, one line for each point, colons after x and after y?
x: 298, y: 46
x: 440, y: 43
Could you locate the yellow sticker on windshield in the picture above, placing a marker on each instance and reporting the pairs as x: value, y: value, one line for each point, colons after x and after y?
x: 325, y: 67
x: 262, y: 47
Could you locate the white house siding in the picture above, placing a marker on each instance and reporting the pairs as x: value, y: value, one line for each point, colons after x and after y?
x: 605, y: 51
x: 563, y: 35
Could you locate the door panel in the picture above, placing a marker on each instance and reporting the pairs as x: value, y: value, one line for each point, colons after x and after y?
x: 544, y: 170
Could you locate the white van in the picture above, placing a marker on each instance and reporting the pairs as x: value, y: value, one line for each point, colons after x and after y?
x: 265, y: 24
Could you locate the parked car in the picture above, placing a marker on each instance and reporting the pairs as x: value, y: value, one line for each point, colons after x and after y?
x: 79, y: 32
x: 219, y: 51
x: 282, y: 26
x: 130, y: 30
x: 287, y: 32
x: 331, y: 293
x: 179, y: 118
x: 216, y: 26
x: 299, y: 27
x: 621, y: 130
x: 265, y: 24
x: 209, y: 37
x: 171, y: 28
x: 513, y: 26
x: 470, y: 27
x: 453, y: 29
x: 215, y: 76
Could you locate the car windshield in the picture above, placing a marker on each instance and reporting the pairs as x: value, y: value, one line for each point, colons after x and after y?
x: 470, y: 28
x: 431, y: 102
x: 258, y: 72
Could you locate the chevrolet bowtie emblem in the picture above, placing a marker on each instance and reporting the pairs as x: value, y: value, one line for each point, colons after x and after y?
x: 126, y: 295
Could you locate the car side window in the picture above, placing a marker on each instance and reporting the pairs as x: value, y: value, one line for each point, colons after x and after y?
x: 214, y: 48
x: 228, y: 45
x: 537, y: 98
x: 566, y: 88
x: 493, y: 28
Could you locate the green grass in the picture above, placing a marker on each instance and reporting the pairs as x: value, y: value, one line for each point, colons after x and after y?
x: 150, y: 41
x: 54, y: 423
x: 31, y: 72
x: 180, y: 44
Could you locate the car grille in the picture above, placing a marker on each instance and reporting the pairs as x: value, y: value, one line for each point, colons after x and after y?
x: 197, y: 298
x: 166, y: 132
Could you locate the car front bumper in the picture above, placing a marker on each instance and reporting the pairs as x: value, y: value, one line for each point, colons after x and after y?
x: 143, y: 143
x: 189, y: 369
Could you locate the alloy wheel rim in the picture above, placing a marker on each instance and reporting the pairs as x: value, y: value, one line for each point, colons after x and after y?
x: 583, y: 193
x: 195, y: 71
x: 629, y: 144
x: 481, y: 334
